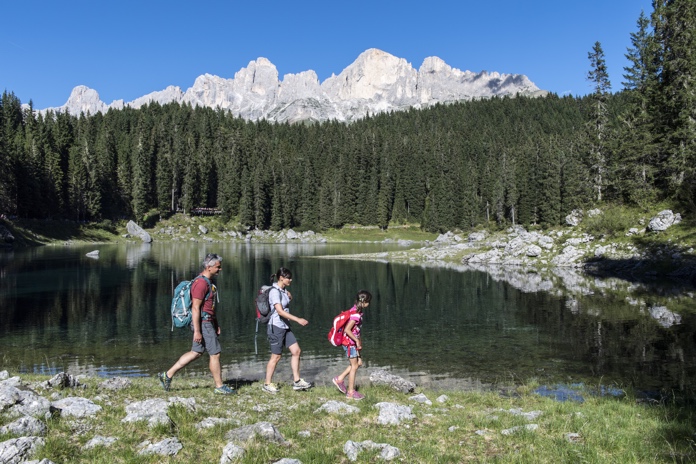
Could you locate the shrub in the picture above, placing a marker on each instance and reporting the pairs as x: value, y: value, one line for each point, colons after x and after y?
x: 611, y: 222
x: 150, y: 218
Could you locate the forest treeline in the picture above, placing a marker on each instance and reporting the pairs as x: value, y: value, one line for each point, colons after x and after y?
x: 508, y: 160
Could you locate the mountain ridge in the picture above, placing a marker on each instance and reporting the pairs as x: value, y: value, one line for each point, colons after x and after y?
x: 375, y: 82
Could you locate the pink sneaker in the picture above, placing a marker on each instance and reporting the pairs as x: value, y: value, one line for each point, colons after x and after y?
x: 355, y: 396
x: 340, y: 385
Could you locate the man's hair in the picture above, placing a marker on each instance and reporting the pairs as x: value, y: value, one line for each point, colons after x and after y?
x: 211, y: 259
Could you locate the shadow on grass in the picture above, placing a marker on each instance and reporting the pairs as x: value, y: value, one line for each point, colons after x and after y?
x: 661, y: 262
x: 29, y: 232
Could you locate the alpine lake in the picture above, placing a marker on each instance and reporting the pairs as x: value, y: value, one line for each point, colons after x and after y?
x: 443, y: 328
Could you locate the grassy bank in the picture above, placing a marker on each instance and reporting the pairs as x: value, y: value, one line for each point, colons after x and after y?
x: 463, y: 427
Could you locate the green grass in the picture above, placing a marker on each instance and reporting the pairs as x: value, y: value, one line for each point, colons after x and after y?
x: 610, y: 429
x: 33, y: 232
x: 356, y: 233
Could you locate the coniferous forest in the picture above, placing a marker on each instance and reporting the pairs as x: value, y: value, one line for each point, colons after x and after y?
x: 498, y: 161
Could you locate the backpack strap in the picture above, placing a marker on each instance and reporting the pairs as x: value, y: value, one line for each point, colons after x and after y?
x: 280, y: 296
x: 204, y: 316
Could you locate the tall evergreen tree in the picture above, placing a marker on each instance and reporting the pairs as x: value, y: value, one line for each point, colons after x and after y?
x: 679, y: 95
x: 635, y: 148
x: 598, y: 130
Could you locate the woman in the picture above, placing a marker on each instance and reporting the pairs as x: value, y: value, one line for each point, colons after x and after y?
x: 279, y: 333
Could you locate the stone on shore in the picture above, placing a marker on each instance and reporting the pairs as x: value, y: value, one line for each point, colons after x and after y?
x: 381, y: 377
x: 135, y: 230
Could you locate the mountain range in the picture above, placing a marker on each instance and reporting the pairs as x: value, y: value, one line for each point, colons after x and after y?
x: 375, y: 82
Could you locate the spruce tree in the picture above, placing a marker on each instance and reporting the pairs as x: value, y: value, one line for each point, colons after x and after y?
x: 635, y: 147
x: 678, y: 87
x: 598, y: 130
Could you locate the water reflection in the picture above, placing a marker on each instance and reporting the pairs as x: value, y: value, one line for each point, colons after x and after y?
x: 62, y: 310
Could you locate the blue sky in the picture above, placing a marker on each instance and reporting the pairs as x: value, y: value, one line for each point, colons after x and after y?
x: 126, y: 49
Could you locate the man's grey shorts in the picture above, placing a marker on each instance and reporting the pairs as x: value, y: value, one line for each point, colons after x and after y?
x: 210, y: 342
x: 278, y: 338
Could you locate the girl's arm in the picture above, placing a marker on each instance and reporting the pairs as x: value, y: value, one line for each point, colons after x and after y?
x: 348, y: 332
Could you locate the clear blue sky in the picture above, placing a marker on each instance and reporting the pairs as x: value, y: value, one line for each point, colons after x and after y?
x: 125, y: 49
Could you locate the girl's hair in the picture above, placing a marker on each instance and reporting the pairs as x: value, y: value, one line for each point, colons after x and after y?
x: 362, y: 299
x: 281, y: 272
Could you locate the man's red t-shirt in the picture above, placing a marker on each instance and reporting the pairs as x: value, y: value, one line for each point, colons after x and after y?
x: 199, y: 288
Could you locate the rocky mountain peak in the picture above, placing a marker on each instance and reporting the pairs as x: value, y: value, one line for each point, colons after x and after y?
x: 375, y: 82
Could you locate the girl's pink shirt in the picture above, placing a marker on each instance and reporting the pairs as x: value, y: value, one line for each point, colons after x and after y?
x: 357, y: 317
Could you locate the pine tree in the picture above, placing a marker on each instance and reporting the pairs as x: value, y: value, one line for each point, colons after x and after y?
x: 598, y: 130
x: 635, y: 148
x: 679, y: 95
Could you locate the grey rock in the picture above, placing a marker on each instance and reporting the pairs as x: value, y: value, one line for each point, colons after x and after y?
x: 18, y: 450
x: 527, y: 415
x: 31, y: 404
x: 664, y: 316
x: 304, y: 433
x: 393, y: 414
x: 62, y: 380
x: 4, y: 375
x: 154, y: 411
x: 594, y: 212
x: 76, y: 406
x: 210, y: 422
x: 9, y: 396
x: 574, y: 218
x: 99, y: 440
x: 116, y: 383
x: 25, y: 426
x: 188, y: 403
x: 337, y: 407
x: 167, y: 447
x: 533, y: 251
x: 230, y: 453
x: 519, y: 428
x: 421, y: 398
x: 663, y: 220
x: 11, y: 382
x: 381, y: 377
x: 288, y: 461
x: 203, y: 229
x: 352, y: 449
x: 291, y: 234
x: 570, y: 256
x: 136, y: 231
x: 262, y: 430
x: 442, y: 399
x: 477, y: 236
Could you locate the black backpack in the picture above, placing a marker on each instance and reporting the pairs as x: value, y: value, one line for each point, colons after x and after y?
x: 264, y: 311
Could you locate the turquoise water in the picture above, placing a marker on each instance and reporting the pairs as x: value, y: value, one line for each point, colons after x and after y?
x: 61, y: 310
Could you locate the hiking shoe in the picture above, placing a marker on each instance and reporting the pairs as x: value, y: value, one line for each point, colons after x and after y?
x: 270, y: 388
x: 355, y: 396
x: 225, y: 390
x: 164, y: 380
x: 340, y: 385
x: 301, y: 385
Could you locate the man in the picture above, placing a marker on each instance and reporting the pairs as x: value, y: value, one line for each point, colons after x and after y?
x: 205, y: 327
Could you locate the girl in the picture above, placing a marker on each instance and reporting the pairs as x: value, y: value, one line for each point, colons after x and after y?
x: 280, y: 334
x: 352, y: 346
